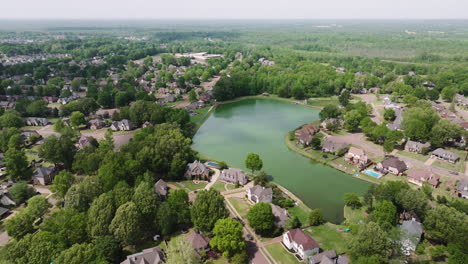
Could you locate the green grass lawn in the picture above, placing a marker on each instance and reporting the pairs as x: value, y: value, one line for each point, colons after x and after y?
x: 241, y: 206
x: 300, y: 213
x: 200, y: 117
x: 413, y: 155
x: 458, y: 166
x: 281, y: 255
x: 329, y: 238
x: 192, y: 186
x: 219, y: 186
x: 321, y: 102
x: 354, y: 216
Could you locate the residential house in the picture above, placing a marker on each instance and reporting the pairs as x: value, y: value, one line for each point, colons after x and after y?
x: 36, y: 121
x: 146, y: 124
x: 197, y: 170
x: 5, y: 199
x: 462, y: 188
x: 198, y: 242
x: 298, y: 242
x: 85, y: 141
x: 307, y: 129
x: 328, y: 257
x: 96, y: 124
x: 44, y: 175
x: 30, y: 137
x: 281, y: 215
x: 461, y: 100
x: 170, y: 99
x: 413, y: 146
x: 464, y: 125
x: 148, y: 256
x: 446, y: 155
x: 234, y: 176
x: 4, y: 212
x: 392, y: 165
x: 205, y: 97
x: 357, y: 157
x: 419, y: 177
x: 66, y: 121
x: 123, y: 125
x: 411, y: 232
x: 304, y: 139
x: 396, y: 125
x: 330, y: 146
x: 259, y: 194
x: 195, y: 105
x: 160, y: 188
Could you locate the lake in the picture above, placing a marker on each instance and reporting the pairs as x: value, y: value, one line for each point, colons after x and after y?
x: 260, y: 125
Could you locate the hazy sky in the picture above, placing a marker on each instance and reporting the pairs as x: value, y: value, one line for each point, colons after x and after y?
x: 234, y: 9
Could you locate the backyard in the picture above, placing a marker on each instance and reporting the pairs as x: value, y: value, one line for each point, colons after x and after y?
x: 281, y: 255
x: 193, y: 186
x: 241, y: 206
x: 329, y: 237
x: 458, y: 166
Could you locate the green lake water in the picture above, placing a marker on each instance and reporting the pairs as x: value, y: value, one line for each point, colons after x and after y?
x: 260, y: 125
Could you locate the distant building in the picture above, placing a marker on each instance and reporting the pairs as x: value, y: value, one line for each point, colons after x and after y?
x: 462, y: 188
x: 198, y: 242
x: 330, y: 146
x: 96, y: 124
x: 419, y: 177
x: 357, y: 157
x: 123, y: 125
x: 281, y: 215
x: 392, y: 165
x: 413, y: 146
x: 44, y: 175
x: 36, y: 121
x: 160, y: 188
x: 446, y: 155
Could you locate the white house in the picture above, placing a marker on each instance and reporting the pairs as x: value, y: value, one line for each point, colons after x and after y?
x: 300, y: 243
x: 411, y: 232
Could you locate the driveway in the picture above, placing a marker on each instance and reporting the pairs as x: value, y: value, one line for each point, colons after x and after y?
x: 214, y: 178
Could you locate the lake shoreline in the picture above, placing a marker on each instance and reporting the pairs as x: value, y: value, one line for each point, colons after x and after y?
x: 322, y: 161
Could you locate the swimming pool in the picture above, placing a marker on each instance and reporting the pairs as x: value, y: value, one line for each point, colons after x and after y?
x: 373, y: 173
x: 211, y: 163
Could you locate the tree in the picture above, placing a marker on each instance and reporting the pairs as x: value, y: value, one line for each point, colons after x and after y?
x: 62, y: 182
x: 352, y: 199
x: 38, y: 206
x: 388, y: 146
x: 384, y: 214
x: 179, y: 203
x: 21, y: 191
x: 316, y: 217
x: 192, y: 96
x: 58, y: 150
x: 228, y: 237
x: 100, y: 215
x: 315, y: 143
x: 180, y: 251
x: 253, y: 162
x: 352, y: 120
x: 329, y: 111
x: 145, y: 199
x: 37, y: 108
x: 292, y: 223
x: 413, y: 201
x: 108, y: 248
x: 389, y: 114
x: 122, y: 193
x: 444, y: 224
x: 126, y: 225
x: 77, y: 118
x: 344, y: 98
x: 448, y: 93
x: 11, y: 119
x: 444, y: 131
x: 17, y: 165
x: 371, y: 240
x: 68, y: 224
x: 166, y: 219
x: 261, y: 218
x: 20, y: 225
x: 80, y: 253
x: 207, y: 209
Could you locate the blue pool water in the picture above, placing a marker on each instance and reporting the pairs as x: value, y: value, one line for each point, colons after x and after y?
x: 211, y: 163
x: 372, y: 173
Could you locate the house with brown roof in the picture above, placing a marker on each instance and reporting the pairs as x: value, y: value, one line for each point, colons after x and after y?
x: 148, y: 256
x: 307, y: 129
x: 96, y: 124
x: 197, y: 170
x: 417, y: 147
x: 461, y: 100
x: 304, y: 139
x: 332, y: 121
x: 357, y: 157
x: 160, y: 188
x: 445, y: 155
x: 330, y: 146
x: 199, y: 242
x: 234, y: 176
x: 259, y: 194
x: 328, y: 257
x: 391, y: 165
x: 299, y: 243
x: 419, y: 177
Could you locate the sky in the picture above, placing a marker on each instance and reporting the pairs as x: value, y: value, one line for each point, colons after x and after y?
x: 234, y: 9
